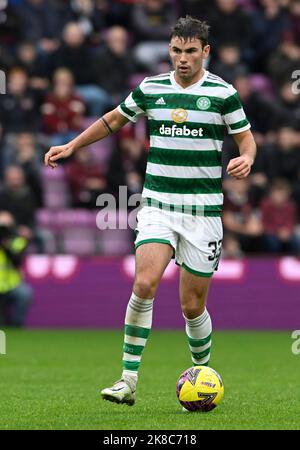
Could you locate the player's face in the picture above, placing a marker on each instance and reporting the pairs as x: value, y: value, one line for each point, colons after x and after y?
x: 187, y: 58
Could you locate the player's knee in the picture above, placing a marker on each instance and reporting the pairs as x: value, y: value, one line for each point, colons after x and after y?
x: 192, y: 308
x: 192, y: 313
x: 145, y: 287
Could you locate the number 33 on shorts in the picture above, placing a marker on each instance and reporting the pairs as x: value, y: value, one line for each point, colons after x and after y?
x: 216, y: 248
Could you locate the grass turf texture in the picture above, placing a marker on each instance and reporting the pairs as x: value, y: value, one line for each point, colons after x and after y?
x: 51, y: 380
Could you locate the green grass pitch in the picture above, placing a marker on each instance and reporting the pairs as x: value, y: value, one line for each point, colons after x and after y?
x: 51, y: 379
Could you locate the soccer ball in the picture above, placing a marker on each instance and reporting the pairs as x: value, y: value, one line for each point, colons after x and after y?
x: 200, y: 388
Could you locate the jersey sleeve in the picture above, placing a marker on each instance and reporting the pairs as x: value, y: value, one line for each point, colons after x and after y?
x: 134, y: 106
x: 233, y: 113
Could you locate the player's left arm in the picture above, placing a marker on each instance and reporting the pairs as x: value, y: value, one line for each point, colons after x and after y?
x: 240, y: 167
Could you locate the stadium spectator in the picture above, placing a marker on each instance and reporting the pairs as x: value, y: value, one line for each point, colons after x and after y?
x: 17, y: 198
x: 258, y: 185
x: 287, y: 106
x: 279, y: 215
x: 7, y: 59
x: 296, y: 196
x: 127, y: 166
x: 283, y: 156
x: 231, y: 247
x: 15, y: 293
x: 2, y: 150
x: 11, y: 25
x: 63, y: 110
x: 31, y: 61
x: 284, y: 60
x: 117, y: 12
x: 230, y: 23
x: 10, y: 32
x: 294, y: 19
x: 19, y: 108
x: 25, y: 152
x: 116, y: 53
x: 239, y: 217
x: 40, y: 23
x: 228, y: 64
x: 258, y: 107
x: 86, y: 178
x: 270, y: 20
x: 75, y: 55
x: 151, y: 21
x: 195, y: 8
x: 85, y: 13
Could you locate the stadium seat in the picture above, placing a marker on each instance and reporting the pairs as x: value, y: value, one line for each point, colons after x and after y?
x: 46, y: 222
x: 261, y: 83
x: 74, y: 231
x: 102, y: 150
x: 135, y: 79
x: 116, y: 241
x: 45, y: 218
x: 55, y: 188
x: 51, y: 175
x: 73, y: 218
x: 78, y: 241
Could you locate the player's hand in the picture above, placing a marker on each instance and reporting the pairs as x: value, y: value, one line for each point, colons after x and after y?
x: 239, y: 167
x: 56, y: 153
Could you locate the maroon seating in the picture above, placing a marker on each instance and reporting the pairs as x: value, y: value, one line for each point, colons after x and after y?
x: 262, y: 83
x: 75, y: 231
x: 55, y: 188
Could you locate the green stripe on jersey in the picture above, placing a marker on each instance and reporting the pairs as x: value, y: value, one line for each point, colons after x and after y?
x: 132, y: 330
x: 194, y: 210
x: 191, y: 158
x: 185, y: 101
x: 127, y: 110
x: 212, y: 84
x: 139, y: 98
x: 210, y: 131
x: 231, y: 104
x: 183, y: 185
x: 165, y: 82
x: 240, y: 124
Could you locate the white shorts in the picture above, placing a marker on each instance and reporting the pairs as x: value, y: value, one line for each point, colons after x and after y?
x: 196, y: 240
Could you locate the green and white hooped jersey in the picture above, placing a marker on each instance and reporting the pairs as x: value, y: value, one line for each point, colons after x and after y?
x: 187, y: 128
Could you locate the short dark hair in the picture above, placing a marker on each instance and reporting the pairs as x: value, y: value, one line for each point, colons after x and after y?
x: 188, y: 28
x: 280, y: 184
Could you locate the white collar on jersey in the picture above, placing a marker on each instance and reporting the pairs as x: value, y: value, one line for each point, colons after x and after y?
x: 178, y: 86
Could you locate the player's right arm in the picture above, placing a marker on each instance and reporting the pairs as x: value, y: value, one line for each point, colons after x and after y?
x: 108, y: 124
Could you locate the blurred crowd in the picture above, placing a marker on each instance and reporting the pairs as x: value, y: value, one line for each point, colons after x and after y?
x: 68, y: 62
